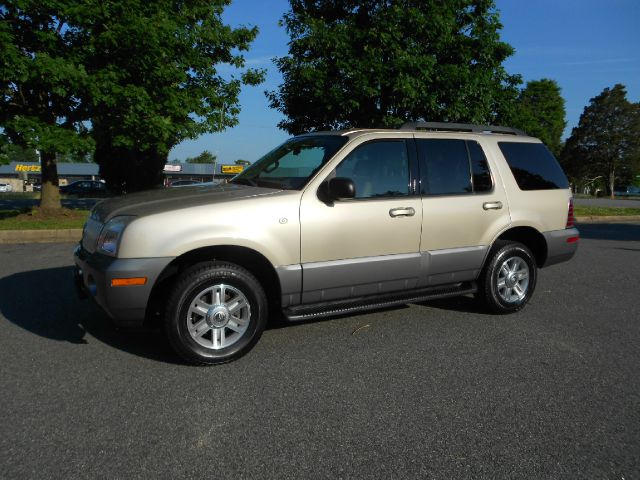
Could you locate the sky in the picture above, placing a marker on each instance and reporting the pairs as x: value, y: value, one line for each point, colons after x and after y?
x: 584, y: 45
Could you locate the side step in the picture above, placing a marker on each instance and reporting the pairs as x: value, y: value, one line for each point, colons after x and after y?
x: 374, y: 302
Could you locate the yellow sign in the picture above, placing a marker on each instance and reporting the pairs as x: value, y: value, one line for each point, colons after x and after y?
x: 28, y: 168
x: 232, y: 168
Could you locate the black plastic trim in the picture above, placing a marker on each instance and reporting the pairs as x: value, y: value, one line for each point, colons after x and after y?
x: 374, y: 302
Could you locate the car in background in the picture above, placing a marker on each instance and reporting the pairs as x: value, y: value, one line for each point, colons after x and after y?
x: 630, y: 191
x: 5, y: 187
x: 85, y: 188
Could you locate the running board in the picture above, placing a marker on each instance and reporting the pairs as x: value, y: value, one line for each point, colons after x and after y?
x: 374, y: 302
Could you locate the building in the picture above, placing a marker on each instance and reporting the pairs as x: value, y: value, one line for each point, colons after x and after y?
x: 23, y: 175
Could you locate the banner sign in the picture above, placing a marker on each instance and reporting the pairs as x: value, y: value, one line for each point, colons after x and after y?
x: 172, y: 168
x: 232, y: 168
x: 28, y: 168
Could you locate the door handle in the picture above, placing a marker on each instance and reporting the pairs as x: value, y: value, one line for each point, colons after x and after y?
x: 402, y: 212
x: 492, y: 205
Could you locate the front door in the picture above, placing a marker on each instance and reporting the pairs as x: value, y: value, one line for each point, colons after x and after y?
x: 369, y: 244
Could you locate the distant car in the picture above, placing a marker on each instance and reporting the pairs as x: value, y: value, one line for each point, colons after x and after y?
x: 629, y: 191
x: 5, y: 187
x: 37, y: 187
x: 183, y: 183
x: 85, y: 188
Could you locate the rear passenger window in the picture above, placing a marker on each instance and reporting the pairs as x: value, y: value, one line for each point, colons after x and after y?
x: 452, y: 167
x: 533, y: 166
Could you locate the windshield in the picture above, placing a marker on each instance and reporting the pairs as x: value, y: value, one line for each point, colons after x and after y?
x: 292, y: 164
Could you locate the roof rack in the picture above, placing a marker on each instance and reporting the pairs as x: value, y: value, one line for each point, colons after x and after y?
x: 460, y: 127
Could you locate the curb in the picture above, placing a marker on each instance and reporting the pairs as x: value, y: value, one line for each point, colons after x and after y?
x: 611, y: 219
x: 40, y: 236
x: 74, y: 235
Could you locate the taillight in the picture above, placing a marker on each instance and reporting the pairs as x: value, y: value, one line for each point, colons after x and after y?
x: 570, y: 218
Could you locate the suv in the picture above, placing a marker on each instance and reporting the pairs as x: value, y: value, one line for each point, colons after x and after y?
x: 329, y: 224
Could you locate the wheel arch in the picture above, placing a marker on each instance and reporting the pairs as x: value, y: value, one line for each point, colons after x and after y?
x: 247, y: 258
x: 531, y: 238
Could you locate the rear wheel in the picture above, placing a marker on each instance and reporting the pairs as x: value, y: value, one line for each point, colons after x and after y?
x: 216, y: 313
x: 508, y: 278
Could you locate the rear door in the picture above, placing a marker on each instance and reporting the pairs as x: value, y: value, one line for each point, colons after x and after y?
x: 464, y: 208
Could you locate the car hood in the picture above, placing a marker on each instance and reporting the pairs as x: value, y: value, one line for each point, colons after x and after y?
x: 163, y: 200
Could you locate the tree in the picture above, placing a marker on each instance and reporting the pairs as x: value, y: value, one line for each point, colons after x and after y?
x: 607, y: 139
x: 14, y: 153
x: 204, y: 157
x: 540, y: 112
x: 41, y: 78
x: 155, y: 66
x: 373, y: 63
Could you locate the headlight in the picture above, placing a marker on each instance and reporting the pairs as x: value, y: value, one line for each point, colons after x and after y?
x: 109, y: 237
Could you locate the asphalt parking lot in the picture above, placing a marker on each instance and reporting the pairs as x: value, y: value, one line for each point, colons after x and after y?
x: 438, y: 390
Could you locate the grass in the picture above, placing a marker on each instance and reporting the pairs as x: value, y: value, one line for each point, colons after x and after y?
x: 20, y: 196
x: 582, y: 211
x: 34, y: 219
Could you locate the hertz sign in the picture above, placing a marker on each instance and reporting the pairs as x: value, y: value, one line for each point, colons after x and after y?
x: 232, y: 168
x: 28, y: 168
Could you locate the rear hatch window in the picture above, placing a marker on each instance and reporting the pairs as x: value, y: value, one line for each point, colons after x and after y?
x: 533, y: 166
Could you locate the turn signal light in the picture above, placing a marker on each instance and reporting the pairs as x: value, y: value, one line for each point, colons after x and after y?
x: 126, y: 282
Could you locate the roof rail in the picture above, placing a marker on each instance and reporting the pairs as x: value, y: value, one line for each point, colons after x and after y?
x: 460, y: 127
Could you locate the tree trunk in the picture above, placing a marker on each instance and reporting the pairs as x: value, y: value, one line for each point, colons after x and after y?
x: 50, y: 196
x: 612, y: 181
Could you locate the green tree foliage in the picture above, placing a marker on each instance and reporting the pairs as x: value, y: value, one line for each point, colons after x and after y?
x: 157, y: 81
x: 14, y: 153
x: 142, y: 75
x: 540, y: 112
x: 204, y: 157
x: 606, y: 141
x: 41, y: 78
x: 75, y: 158
x: 377, y: 63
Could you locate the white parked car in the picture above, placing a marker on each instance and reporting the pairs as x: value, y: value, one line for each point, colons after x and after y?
x: 5, y: 187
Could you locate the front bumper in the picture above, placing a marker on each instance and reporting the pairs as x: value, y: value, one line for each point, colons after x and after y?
x: 561, y: 245
x: 125, y: 304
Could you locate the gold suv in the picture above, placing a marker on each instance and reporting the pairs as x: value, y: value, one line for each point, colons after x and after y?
x: 331, y: 223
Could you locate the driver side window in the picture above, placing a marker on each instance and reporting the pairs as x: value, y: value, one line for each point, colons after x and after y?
x: 378, y: 169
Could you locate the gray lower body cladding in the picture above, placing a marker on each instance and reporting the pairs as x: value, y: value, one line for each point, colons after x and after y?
x: 328, y: 281
x: 126, y: 304
x: 561, y: 245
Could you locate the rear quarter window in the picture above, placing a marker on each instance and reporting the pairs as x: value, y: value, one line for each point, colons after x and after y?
x: 533, y: 166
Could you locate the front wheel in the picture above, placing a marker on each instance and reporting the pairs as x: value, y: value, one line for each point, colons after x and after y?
x: 216, y: 313
x: 508, y: 278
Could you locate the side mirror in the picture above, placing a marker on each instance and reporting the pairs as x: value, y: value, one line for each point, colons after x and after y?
x: 338, y: 188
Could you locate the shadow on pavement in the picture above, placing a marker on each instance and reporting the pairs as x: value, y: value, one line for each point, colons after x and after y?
x: 44, y: 303
x: 610, y: 231
x: 465, y: 304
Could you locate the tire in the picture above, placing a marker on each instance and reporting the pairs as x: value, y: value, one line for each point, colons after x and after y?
x: 508, y: 278
x: 216, y: 313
